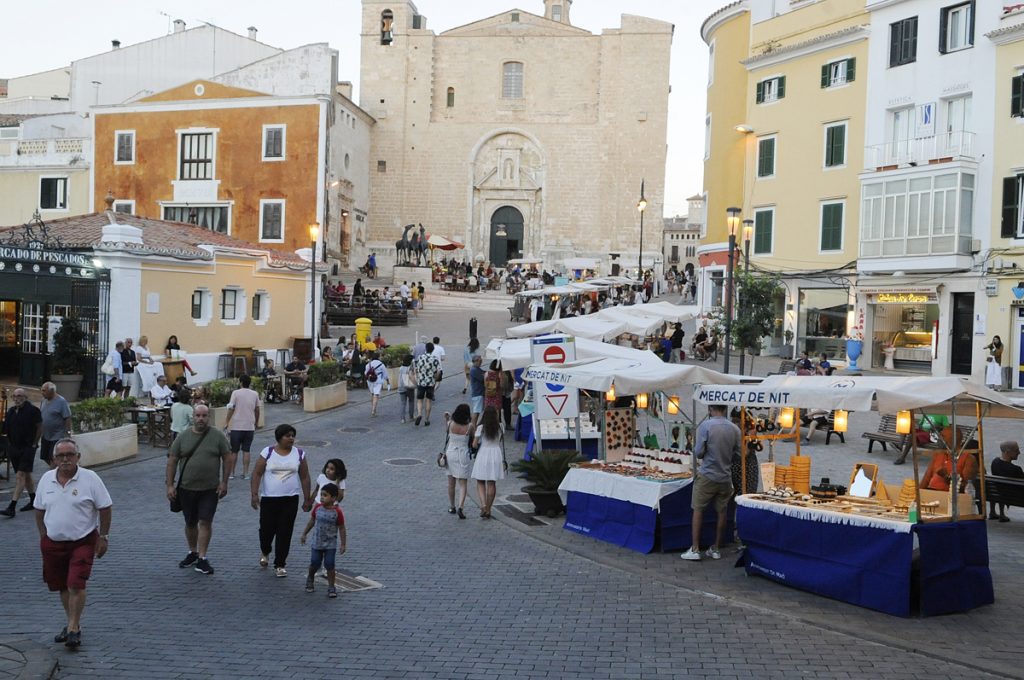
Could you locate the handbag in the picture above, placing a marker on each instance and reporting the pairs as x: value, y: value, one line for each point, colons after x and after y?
x: 504, y: 461
x: 176, y: 501
x: 108, y: 367
x: 442, y: 458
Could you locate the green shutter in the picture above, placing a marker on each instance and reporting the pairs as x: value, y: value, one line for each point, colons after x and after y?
x: 1011, y: 206
x: 763, y: 232
x: 851, y: 69
x: 766, y: 157
x: 824, y: 75
x: 781, y: 87
x: 1017, y: 96
x: 760, y: 93
x: 835, y: 145
x: 832, y: 226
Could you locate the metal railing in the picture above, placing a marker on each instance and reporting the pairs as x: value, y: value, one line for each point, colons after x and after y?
x: 957, y: 145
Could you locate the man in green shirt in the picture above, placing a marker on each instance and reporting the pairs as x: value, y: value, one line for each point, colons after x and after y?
x: 202, y: 460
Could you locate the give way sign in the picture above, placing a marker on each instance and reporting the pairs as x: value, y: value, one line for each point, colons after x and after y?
x: 552, y: 400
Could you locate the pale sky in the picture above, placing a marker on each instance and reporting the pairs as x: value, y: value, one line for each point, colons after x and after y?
x: 35, y: 42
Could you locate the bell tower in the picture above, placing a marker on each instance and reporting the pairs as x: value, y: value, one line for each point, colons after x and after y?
x: 557, y: 10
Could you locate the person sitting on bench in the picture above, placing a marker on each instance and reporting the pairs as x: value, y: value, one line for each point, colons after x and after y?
x: 824, y: 367
x: 812, y: 419
x: 1004, y: 467
x: 708, y: 347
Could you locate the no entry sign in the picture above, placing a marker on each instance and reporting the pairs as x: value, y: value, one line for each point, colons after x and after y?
x: 554, y: 355
x: 552, y: 400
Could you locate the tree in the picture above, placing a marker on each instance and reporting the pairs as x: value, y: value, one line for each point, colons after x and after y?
x: 755, y: 309
x: 68, y: 347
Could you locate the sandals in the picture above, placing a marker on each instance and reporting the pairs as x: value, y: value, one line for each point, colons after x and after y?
x: 332, y: 592
x: 62, y: 636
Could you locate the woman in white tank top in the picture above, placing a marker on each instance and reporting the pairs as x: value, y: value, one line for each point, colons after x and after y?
x: 280, y: 479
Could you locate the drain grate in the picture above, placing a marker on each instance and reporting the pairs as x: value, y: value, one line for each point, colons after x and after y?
x: 357, y: 430
x: 404, y: 461
x: 313, y: 444
x: 352, y: 583
x: 515, y: 513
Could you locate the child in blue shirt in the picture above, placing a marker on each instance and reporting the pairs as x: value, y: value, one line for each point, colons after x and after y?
x: 327, y: 523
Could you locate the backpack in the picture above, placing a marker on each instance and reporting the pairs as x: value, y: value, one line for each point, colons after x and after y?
x: 490, y: 386
x: 371, y: 372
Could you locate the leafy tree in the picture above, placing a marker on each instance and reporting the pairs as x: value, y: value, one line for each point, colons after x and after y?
x: 68, y: 347
x: 755, y: 309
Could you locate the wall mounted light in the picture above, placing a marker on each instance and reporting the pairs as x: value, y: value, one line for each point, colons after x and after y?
x: 744, y: 128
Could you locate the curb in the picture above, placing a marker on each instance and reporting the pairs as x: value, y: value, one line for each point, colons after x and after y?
x: 40, y: 661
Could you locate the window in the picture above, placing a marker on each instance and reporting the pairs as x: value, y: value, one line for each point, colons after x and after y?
x: 273, y: 142
x: 903, y: 42
x: 33, y: 328
x: 901, y: 123
x: 835, y: 145
x: 956, y: 27
x: 707, y: 137
x: 197, y: 304
x: 9, y: 132
x: 515, y: 17
x: 831, y: 226
x: 675, y: 254
x: 272, y: 220
x: 771, y: 90
x: 512, y: 80
x: 124, y: 147
x: 711, y: 64
x: 763, y: 226
x: 957, y: 122
x: 1017, y: 96
x: 228, y: 304
x: 257, y: 303
x: 53, y: 193
x: 1012, y: 225
x: 556, y: 12
x: 838, y: 73
x: 382, y: 166
x: 213, y: 217
x: 124, y: 207
x: 766, y: 157
x: 451, y: 97
x: 196, y: 156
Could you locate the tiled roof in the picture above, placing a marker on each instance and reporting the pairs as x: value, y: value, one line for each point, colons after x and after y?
x: 159, y: 237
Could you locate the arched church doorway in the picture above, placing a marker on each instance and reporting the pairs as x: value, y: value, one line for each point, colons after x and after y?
x: 506, y: 235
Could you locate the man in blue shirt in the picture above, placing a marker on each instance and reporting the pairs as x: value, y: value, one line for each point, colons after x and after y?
x: 717, y: 443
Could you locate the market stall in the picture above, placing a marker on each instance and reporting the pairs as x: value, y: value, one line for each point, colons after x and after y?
x: 856, y: 543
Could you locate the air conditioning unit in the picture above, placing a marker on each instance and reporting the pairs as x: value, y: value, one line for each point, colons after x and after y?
x: 975, y: 246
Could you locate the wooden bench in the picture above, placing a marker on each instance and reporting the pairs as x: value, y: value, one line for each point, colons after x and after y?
x: 1005, y: 490
x: 346, y: 315
x: 831, y: 429
x: 886, y: 434
x: 785, y: 367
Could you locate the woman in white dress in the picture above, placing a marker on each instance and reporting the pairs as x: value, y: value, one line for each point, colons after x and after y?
x: 489, y: 466
x: 460, y: 465
x: 147, y: 370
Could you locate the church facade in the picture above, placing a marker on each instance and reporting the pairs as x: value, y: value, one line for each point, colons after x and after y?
x: 519, y: 135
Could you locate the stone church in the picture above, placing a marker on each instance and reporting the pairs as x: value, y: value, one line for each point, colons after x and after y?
x: 518, y: 134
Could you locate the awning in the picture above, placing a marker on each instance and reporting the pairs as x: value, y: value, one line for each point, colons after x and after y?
x: 590, y: 327
x: 438, y: 241
x: 900, y: 294
x: 515, y: 353
x: 635, y: 373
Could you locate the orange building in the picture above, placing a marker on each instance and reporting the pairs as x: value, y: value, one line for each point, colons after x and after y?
x: 238, y: 162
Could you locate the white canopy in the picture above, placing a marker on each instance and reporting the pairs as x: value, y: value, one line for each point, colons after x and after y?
x: 526, y: 260
x: 667, y: 311
x: 855, y: 393
x: 590, y: 327
x: 633, y: 317
x: 638, y: 372
x: 515, y: 353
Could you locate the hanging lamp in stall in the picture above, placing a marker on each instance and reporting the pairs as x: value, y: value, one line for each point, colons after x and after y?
x: 786, y: 417
x: 610, y: 394
x: 641, y: 400
x: 841, y: 420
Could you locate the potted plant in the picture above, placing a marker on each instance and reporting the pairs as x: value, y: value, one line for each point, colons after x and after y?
x: 545, y: 471
x: 68, y: 358
x: 101, y: 430
x: 325, y: 387
x: 787, y: 349
x: 392, y: 356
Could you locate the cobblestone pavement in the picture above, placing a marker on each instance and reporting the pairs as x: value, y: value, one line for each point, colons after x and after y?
x: 464, y: 598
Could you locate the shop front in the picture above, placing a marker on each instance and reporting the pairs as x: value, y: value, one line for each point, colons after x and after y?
x: 822, y: 321
x: 904, y: 326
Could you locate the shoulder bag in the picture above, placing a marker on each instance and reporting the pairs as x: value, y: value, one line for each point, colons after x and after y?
x: 504, y: 460
x: 108, y: 367
x: 442, y: 458
x: 176, y: 501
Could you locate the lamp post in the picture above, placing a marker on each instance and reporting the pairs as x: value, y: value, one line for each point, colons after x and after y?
x: 748, y: 233
x: 314, y: 233
x: 641, y: 206
x: 733, y: 222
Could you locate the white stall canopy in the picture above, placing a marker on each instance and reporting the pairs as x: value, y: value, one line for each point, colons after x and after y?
x: 590, y: 327
x: 858, y: 393
x: 644, y: 372
x: 516, y: 353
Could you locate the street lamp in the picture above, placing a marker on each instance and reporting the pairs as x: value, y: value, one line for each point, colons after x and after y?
x: 641, y: 206
x: 314, y: 233
x: 748, y: 233
x: 734, y: 224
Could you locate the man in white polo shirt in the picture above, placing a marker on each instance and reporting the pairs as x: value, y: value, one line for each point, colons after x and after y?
x: 73, y: 511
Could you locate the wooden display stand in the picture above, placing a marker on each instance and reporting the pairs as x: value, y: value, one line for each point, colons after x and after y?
x: 173, y: 369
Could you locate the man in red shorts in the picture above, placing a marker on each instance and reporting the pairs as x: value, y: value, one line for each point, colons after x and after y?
x: 73, y: 512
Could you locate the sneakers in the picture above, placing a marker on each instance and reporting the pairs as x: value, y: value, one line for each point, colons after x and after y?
x: 309, y: 584
x: 280, y: 572
x: 691, y: 554
x: 403, y: 421
x: 713, y: 553
x: 203, y: 566
x: 10, y: 510
x: 264, y: 561
x: 332, y: 592
x: 189, y: 560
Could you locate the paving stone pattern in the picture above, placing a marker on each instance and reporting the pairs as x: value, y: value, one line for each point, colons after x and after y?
x: 461, y: 598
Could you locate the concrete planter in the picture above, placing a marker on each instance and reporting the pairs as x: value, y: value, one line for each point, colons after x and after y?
x: 107, y: 446
x: 393, y: 377
x: 68, y: 386
x: 219, y: 416
x: 316, y: 399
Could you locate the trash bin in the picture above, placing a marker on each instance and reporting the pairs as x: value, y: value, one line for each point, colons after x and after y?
x: 363, y: 328
x: 472, y: 326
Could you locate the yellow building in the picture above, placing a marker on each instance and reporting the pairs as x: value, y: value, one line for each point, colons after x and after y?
x: 1005, y: 267
x: 792, y: 148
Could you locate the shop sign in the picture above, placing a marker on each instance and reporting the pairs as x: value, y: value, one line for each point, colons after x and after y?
x: 40, y: 255
x: 904, y: 298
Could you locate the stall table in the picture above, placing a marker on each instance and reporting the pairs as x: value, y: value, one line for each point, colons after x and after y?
x: 867, y: 561
x: 564, y: 440
x: 631, y: 512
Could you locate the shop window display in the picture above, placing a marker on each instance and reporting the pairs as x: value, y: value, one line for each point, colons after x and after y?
x: 822, y: 321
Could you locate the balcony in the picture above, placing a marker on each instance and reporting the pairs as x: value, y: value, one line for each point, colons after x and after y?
x: 36, y: 153
x: 948, y: 146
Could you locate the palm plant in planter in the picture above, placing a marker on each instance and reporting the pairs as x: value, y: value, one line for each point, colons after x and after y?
x: 68, y: 358
x: 545, y: 471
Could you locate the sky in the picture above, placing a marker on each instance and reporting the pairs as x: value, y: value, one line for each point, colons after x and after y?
x: 87, y: 28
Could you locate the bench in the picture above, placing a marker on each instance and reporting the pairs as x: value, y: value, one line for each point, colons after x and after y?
x: 963, y: 430
x: 1004, y: 490
x: 831, y: 429
x: 346, y: 315
x: 787, y: 366
x: 886, y: 434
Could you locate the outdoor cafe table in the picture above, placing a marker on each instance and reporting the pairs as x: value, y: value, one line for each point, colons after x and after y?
x: 867, y: 561
x: 631, y: 512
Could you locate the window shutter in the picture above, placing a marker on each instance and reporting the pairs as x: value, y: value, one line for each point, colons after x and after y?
x: 970, y: 35
x: 912, y: 30
x: 760, y: 93
x: 851, y: 69
x: 1011, y: 206
x: 825, y: 75
x: 781, y: 87
x: 895, y: 38
x: 1017, y: 96
x: 943, y: 29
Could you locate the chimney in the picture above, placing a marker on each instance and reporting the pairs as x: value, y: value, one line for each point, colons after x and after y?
x: 179, y: 25
x: 252, y: 33
x: 115, y: 44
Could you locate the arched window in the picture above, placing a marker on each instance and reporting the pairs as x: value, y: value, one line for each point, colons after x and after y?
x: 512, y: 80
x: 451, y: 97
x: 387, y: 19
